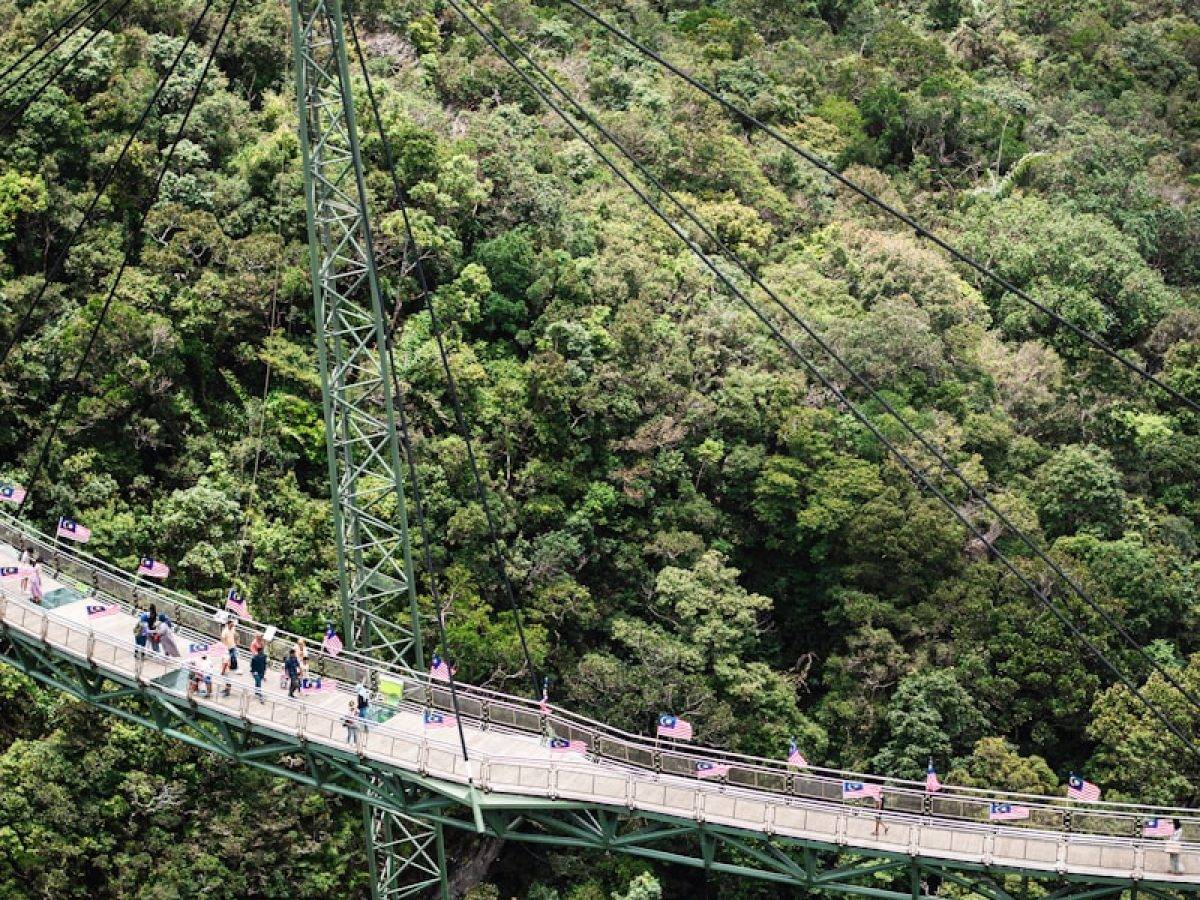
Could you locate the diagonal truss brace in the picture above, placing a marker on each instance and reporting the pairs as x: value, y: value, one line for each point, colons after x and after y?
x: 809, y: 865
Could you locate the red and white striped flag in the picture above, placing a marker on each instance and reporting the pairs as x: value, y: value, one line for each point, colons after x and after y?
x: 73, y: 531
x: 332, y: 643
x: 100, y: 610
x: 711, y: 770
x: 932, y: 785
x: 795, y: 757
x: 439, y: 670
x: 152, y: 568
x: 1158, y: 828
x: 1007, y: 812
x: 1078, y: 789
x: 562, y: 745
x: 674, y: 727
x: 439, y: 720
x: 7, y: 572
x: 544, y: 703
x: 853, y: 790
x: 12, y: 493
x: 235, y: 604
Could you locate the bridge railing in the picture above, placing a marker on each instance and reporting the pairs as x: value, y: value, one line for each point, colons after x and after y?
x: 492, y: 710
x: 437, y: 754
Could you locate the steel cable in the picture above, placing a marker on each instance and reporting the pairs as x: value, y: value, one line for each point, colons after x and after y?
x: 829, y: 385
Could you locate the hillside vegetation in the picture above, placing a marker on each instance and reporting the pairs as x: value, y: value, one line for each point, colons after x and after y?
x: 693, y: 522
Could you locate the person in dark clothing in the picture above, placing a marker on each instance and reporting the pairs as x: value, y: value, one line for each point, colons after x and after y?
x: 258, y: 669
x: 362, y: 699
x: 291, y: 666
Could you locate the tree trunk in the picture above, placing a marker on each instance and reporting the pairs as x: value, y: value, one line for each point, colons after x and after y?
x: 475, y: 859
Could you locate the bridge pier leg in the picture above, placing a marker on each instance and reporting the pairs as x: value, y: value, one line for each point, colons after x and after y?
x: 405, y: 856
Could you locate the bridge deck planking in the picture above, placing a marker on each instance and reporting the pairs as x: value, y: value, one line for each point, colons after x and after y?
x: 517, y: 764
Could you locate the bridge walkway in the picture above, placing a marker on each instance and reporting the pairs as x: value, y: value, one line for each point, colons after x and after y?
x: 508, y: 754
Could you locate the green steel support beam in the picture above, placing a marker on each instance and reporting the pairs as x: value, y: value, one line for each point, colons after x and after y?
x: 380, y: 615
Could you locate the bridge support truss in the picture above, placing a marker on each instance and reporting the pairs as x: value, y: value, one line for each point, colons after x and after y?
x: 807, y: 866
x: 374, y: 555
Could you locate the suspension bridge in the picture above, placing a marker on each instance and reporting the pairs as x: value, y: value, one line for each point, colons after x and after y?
x: 438, y: 754
x: 617, y: 793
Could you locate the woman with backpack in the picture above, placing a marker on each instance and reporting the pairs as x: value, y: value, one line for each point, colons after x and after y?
x: 141, y: 635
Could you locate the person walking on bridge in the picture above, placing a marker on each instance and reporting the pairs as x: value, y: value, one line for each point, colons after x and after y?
x: 258, y: 669
x: 24, y: 560
x: 141, y: 635
x: 291, y: 666
x: 152, y: 632
x: 35, y: 581
x: 1174, y: 848
x: 301, y: 651
x: 362, y: 700
x: 166, y: 637
x: 229, y: 639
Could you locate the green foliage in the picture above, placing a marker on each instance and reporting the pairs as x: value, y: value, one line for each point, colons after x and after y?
x: 691, y: 520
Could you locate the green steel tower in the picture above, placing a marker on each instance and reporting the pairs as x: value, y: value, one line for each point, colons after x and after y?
x: 374, y: 555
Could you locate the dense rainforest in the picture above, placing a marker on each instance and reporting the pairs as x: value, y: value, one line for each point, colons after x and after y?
x: 693, y: 522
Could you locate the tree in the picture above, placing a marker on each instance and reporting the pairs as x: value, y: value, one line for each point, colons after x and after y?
x: 930, y: 716
x: 1078, y: 488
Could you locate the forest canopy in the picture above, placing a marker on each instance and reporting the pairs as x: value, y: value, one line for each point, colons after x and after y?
x: 693, y: 521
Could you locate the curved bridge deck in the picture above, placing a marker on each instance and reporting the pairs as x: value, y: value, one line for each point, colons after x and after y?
x: 508, y: 752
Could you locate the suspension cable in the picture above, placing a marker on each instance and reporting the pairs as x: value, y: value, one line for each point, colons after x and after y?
x: 498, y: 557
x: 432, y: 570
x: 92, y: 5
x: 28, y: 101
x: 60, y: 260
x: 921, y: 231
x: 832, y: 353
x: 829, y: 385
x: 129, y: 252
x: 260, y: 426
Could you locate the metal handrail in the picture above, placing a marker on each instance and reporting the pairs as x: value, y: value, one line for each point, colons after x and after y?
x: 606, y: 742
x: 334, y: 721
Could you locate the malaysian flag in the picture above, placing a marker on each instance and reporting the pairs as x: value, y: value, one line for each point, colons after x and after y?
x: 438, y: 720
x: 711, y: 770
x: 674, y: 727
x: 1007, y: 812
x: 332, y: 644
x: 73, y: 531
x: 544, y: 703
x: 853, y: 790
x: 795, y: 757
x: 1158, y: 828
x: 152, y: 568
x: 1078, y: 789
x: 236, y: 604
x: 439, y: 669
x: 932, y: 785
x: 12, y: 493
x: 200, y: 649
x: 100, y: 610
x: 562, y: 745
x: 15, y: 571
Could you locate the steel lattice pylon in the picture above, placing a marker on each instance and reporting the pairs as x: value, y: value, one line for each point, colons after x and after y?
x: 374, y: 555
